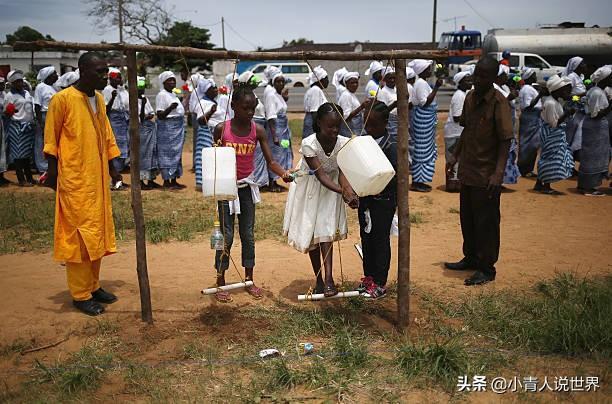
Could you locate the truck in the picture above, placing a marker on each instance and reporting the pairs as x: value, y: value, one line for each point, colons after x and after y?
x: 556, y: 43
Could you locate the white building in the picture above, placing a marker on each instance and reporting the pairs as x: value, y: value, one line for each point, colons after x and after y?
x: 34, y: 61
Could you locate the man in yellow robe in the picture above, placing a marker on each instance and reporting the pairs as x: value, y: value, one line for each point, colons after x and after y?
x: 79, y: 143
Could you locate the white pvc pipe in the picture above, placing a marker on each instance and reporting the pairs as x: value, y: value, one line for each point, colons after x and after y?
x: 212, y: 291
x: 321, y: 296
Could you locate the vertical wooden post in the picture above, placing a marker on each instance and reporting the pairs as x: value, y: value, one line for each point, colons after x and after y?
x: 141, y: 247
x: 403, y: 209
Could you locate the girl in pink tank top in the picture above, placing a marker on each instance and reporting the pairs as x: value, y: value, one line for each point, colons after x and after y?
x: 242, y: 134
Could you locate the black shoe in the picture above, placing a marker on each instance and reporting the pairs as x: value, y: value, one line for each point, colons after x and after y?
x: 89, y: 307
x: 102, y: 296
x: 463, y: 265
x: 154, y: 185
x: 420, y: 187
x: 480, y: 278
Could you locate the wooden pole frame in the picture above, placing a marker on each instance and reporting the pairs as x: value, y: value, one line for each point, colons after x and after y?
x: 399, y: 56
x: 141, y: 246
x: 403, y: 207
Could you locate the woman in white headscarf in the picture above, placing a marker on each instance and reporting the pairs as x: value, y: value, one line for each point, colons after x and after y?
x: 511, y: 173
x: 529, y: 123
x: 556, y: 162
x: 375, y: 74
x: 170, y: 132
x: 314, y: 98
x: 44, y: 91
x: 191, y: 105
x: 410, y: 79
x: 388, y: 95
x: 423, y: 121
x: 338, y: 82
x: 19, y: 108
x: 351, y: 106
x: 279, y: 133
x: 452, y: 129
x: 116, y: 98
x: 595, y: 152
x: 575, y: 70
x: 3, y: 164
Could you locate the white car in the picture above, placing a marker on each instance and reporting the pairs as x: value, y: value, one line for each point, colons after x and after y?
x: 518, y: 60
x: 295, y: 72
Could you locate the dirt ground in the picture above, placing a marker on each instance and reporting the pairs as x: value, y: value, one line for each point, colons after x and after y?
x: 540, y: 235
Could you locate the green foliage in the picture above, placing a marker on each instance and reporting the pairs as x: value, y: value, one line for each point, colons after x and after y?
x: 440, y: 363
x: 26, y: 34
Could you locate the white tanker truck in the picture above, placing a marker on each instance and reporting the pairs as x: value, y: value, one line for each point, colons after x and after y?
x: 556, y: 44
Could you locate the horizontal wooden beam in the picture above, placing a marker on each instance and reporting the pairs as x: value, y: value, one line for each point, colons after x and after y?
x: 231, y: 54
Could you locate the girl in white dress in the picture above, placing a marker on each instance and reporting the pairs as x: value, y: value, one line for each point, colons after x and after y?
x: 315, y: 215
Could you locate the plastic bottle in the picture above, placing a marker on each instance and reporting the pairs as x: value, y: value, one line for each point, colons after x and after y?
x: 301, y: 173
x: 216, y: 238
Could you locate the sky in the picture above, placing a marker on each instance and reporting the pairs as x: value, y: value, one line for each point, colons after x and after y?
x: 267, y: 23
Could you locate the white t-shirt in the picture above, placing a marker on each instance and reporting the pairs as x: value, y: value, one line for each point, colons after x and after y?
x: 410, y: 93
x: 348, y: 102
x: 122, y: 101
x: 421, y: 92
x: 552, y: 110
x: 93, y: 104
x: 578, y: 87
x: 527, y: 95
x: 452, y: 129
x: 371, y: 86
x: 193, y: 102
x: 388, y: 96
x: 275, y: 104
x: 148, y: 108
x: 596, y: 101
x: 260, y: 110
x: 164, y: 99
x: 24, y: 104
x: 339, y: 91
x: 313, y: 99
x: 42, y: 96
x: 204, y: 108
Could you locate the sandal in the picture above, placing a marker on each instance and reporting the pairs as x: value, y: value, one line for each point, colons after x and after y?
x: 330, y: 290
x: 223, y: 296
x: 254, y: 291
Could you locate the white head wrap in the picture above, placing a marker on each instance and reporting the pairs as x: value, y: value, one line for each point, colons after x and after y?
x: 387, y: 70
x: 555, y: 82
x: 375, y: 66
x: 601, y: 73
x: 350, y: 75
x: 67, y: 79
x: 165, y: 76
x: 270, y: 72
x: 45, y: 72
x: 420, y: 65
x: 527, y: 72
x: 14, y: 75
x: 410, y: 73
x: 229, y: 80
x: 460, y: 76
x: 245, y: 76
x: 339, y: 76
x: 194, y: 79
x: 503, y: 69
x: 572, y: 64
x: 317, y: 75
x: 203, y: 86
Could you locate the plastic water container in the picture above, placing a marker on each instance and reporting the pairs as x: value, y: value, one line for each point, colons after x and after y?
x: 365, y: 166
x: 219, y: 173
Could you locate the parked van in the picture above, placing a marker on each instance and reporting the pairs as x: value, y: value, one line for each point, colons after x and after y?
x: 295, y: 72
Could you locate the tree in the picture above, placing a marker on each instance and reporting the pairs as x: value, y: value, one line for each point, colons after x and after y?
x: 185, y: 34
x: 143, y: 20
x: 299, y: 41
x: 26, y: 34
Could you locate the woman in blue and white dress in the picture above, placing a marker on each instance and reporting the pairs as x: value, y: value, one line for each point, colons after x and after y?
x: 511, y: 173
x: 529, y: 123
x: 314, y: 98
x: 117, y: 102
x: 351, y: 106
x: 423, y: 121
x: 275, y: 104
x: 556, y: 161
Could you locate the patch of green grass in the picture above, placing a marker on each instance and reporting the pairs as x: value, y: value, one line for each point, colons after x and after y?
x: 148, y: 381
x: 316, y: 374
x: 350, y: 348
x: 453, y: 210
x: 565, y: 315
x: 296, y: 126
x: 83, y: 371
x: 417, y: 218
x: 440, y: 363
x: 280, y: 375
x: 14, y: 347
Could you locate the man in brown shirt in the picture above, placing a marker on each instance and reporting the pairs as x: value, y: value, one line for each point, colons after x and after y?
x: 482, y: 152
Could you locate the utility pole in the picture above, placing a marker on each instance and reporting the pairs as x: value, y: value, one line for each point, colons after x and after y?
x: 223, y: 32
x: 433, y: 30
x: 120, y: 20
